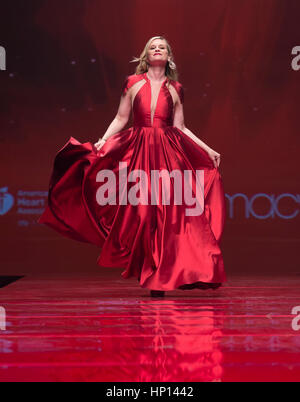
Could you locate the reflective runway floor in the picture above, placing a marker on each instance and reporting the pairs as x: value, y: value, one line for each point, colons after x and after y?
x: 105, y: 328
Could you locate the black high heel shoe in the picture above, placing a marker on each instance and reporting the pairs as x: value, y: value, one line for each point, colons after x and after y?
x: 201, y: 285
x: 157, y: 293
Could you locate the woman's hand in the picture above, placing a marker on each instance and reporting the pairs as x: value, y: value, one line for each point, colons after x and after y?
x: 100, y: 144
x: 215, y: 157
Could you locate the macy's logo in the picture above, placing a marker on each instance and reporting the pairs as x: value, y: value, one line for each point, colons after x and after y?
x: 6, y: 201
x: 274, y: 205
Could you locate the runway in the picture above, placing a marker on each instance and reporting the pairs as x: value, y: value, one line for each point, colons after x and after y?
x: 104, y: 328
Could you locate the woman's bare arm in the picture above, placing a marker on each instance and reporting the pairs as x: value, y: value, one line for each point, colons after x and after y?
x: 179, y: 123
x: 120, y: 120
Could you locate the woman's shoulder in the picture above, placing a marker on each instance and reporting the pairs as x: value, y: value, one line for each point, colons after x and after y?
x: 130, y: 80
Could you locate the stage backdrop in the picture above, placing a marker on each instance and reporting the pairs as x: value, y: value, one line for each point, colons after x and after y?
x: 63, y: 63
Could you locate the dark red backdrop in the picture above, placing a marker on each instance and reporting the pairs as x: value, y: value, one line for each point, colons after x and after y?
x: 66, y: 62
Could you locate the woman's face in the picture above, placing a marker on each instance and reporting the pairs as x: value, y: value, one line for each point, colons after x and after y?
x: 158, y: 52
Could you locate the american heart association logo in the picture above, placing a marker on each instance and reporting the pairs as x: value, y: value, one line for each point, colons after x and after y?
x: 6, y: 201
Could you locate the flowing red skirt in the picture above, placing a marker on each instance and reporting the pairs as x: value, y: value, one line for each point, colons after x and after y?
x: 158, y: 244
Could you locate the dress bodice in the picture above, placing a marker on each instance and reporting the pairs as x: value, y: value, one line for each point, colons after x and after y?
x: 141, y: 107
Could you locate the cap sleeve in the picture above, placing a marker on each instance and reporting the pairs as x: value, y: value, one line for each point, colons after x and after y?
x: 181, y: 93
x: 129, y: 81
x: 125, y: 85
x: 179, y: 89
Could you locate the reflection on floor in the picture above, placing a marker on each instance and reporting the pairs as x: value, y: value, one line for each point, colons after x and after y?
x: 105, y: 328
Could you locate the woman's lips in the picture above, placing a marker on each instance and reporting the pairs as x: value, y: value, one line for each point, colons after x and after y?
x: 155, y: 54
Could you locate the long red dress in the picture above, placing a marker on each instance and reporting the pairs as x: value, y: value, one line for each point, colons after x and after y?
x: 158, y: 244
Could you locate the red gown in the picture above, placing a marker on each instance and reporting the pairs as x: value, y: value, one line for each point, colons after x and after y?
x: 158, y: 244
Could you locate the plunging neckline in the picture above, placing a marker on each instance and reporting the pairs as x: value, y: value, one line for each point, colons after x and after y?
x: 160, y: 89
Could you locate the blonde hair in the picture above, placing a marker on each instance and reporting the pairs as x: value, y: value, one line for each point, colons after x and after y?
x: 171, y: 69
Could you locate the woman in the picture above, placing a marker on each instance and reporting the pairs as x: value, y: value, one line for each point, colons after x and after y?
x: 157, y: 242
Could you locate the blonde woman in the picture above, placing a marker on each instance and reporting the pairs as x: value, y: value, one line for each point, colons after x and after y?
x: 103, y: 193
